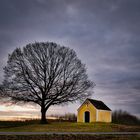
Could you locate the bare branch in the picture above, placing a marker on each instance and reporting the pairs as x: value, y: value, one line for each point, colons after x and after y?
x: 46, y: 74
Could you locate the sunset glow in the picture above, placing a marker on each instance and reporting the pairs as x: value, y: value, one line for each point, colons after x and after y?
x: 105, y: 36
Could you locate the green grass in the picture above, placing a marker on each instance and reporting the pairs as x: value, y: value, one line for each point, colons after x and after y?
x: 34, y: 126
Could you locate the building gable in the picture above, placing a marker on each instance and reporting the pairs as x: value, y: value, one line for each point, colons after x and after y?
x: 97, y: 104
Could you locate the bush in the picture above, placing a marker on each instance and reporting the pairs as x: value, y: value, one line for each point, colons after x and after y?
x: 123, y: 117
x: 69, y: 117
x: 66, y: 117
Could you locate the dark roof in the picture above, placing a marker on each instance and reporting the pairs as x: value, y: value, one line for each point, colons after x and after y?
x: 99, y: 104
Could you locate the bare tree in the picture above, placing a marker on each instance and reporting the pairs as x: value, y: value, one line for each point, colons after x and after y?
x: 46, y: 74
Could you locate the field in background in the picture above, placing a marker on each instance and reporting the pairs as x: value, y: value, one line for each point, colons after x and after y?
x: 53, y: 126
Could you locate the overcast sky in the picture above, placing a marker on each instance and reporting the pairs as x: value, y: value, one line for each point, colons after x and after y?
x: 104, y: 33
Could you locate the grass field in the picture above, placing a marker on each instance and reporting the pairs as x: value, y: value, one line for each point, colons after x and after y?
x: 34, y: 126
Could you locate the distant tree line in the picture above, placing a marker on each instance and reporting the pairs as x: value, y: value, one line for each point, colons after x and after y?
x: 65, y: 117
x: 123, y: 117
x: 69, y: 116
x: 118, y: 117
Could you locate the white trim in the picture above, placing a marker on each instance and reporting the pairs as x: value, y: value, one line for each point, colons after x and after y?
x: 84, y: 117
x: 111, y: 117
x: 96, y: 115
x: 104, y: 110
x: 82, y: 104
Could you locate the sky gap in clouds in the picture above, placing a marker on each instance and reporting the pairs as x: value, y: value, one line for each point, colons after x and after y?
x: 104, y: 33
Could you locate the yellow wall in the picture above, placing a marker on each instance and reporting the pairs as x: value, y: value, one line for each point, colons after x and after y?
x: 81, y: 111
x: 95, y: 114
x: 104, y: 116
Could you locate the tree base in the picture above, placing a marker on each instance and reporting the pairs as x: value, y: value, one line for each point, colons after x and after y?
x: 43, y: 122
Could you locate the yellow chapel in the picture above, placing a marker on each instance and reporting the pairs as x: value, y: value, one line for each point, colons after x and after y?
x: 94, y: 111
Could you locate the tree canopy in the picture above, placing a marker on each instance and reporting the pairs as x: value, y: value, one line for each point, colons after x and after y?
x: 46, y: 74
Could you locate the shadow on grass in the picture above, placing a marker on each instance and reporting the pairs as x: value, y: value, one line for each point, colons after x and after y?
x: 9, y: 124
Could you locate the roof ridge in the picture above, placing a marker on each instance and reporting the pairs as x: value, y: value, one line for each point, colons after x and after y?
x: 98, y: 104
x: 94, y: 99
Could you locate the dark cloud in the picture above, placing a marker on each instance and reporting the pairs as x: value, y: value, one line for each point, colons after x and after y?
x: 104, y: 33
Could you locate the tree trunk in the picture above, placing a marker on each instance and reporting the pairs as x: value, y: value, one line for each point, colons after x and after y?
x: 43, y: 115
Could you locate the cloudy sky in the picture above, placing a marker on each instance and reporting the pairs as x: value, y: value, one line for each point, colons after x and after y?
x: 104, y: 33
